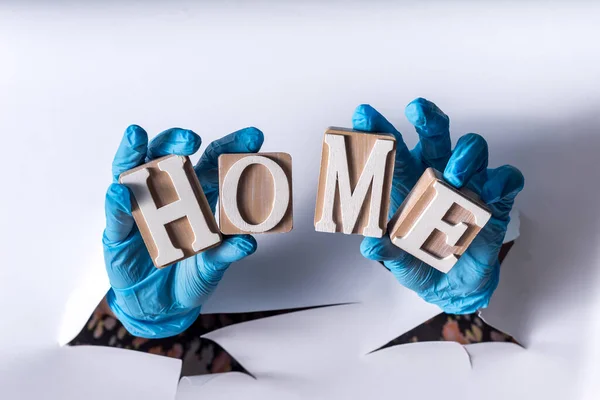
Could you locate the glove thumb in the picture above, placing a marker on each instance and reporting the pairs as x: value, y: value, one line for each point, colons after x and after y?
x: 119, y: 220
x: 199, y: 276
x: 380, y: 249
x: 233, y: 248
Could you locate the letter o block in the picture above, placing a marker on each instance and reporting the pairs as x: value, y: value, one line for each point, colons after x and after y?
x: 170, y: 209
x: 436, y: 223
x: 255, y: 193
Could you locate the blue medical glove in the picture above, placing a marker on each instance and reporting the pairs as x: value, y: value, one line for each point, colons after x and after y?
x: 469, y: 285
x: 151, y: 302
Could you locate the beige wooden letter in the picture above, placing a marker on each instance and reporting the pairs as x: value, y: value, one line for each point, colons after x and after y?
x: 255, y: 193
x: 281, y: 197
x: 436, y: 222
x: 431, y: 219
x: 155, y: 218
x: 351, y: 200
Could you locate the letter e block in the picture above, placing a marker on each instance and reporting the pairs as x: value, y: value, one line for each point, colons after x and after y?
x: 255, y: 193
x: 170, y: 209
x: 353, y: 196
x: 436, y: 223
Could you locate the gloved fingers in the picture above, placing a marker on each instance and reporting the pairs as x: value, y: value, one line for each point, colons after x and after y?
x: 151, y: 327
x: 232, y: 249
x: 457, y: 303
x: 485, y: 248
x: 468, y: 162
x: 498, y: 193
x: 503, y: 185
x: 131, y: 151
x: 408, y: 270
x: 119, y: 220
x: 368, y: 119
x: 197, y: 277
x: 380, y: 249
x: 470, y: 274
x: 125, y: 256
x: 247, y: 140
x: 433, y: 127
x: 413, y: 273
x: 182, y: 142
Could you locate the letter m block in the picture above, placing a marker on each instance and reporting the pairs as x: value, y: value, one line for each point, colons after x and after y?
x: 353, y: 196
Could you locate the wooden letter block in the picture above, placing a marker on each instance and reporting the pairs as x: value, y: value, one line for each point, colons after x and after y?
x: 353, y: 196
x: 255, y: 193
x: 170, y: 209
x: 436, y: 223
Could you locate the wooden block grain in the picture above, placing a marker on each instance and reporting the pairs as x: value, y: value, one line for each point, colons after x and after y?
x: 252, y: 206
x: 341, y: 206
x: 192, y: 228
x: 436, y: 222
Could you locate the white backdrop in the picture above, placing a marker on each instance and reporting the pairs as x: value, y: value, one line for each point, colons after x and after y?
x: 73, y: 76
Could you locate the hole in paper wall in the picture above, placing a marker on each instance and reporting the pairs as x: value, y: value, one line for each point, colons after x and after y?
x: 203, y: 356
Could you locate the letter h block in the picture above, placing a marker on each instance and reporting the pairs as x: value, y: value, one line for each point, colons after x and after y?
x: 356, y: 175
x: 170, y: 209
x: 436, y: 223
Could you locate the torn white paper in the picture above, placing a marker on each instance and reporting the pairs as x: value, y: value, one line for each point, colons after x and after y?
x: 318, y: 354
x: 90, y: 373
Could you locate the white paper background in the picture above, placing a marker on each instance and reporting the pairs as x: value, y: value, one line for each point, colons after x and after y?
x: 73, y: 76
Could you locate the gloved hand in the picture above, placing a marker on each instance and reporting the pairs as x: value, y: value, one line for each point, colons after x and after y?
x: 469, y: 285
x: 151, y: 302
